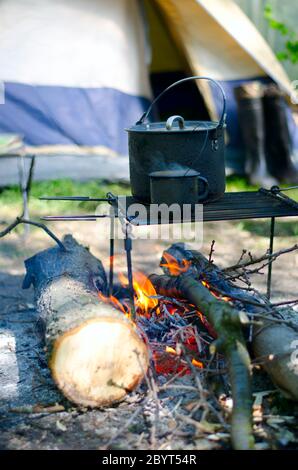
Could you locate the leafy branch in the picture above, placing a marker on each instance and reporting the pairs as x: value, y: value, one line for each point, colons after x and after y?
x: 290, y: 52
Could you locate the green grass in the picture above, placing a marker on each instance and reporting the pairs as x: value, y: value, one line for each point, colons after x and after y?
x: 11, y: 201
x: 10, y: 198
x: 240, y: 183
x: 261, y: 228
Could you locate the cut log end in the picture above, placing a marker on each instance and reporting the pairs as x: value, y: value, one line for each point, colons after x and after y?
x: 98, y: 362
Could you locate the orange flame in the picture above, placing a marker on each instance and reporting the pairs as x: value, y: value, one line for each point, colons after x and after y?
x: 215, y: 294
x: 195, y: 362
x: 198, y: 364
x: 144, y: 291
x: 171, y: 350
x: 173, y: 266
x: 113, y: 301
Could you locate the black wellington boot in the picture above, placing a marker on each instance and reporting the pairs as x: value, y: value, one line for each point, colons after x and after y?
x: 277, y: 136
x: 251, y: 120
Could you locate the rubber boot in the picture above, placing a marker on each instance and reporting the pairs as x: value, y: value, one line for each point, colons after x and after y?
x: 251, y: 120
x: 277, y: 136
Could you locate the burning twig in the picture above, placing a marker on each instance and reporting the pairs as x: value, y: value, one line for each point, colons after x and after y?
x: 225, y: 320
x: 239, y: 298
x: 269, y: 338
x: 194, y: 290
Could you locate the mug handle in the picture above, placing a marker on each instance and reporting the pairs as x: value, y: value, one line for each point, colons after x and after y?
x: 206, y: 191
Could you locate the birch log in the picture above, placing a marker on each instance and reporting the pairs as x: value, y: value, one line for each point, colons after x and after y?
x: 274, y: 344
x: 95, y: 353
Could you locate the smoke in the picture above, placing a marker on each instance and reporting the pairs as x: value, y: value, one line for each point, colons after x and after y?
x: 159, y: 163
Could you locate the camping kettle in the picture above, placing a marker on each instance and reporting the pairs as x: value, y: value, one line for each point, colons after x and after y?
x: 177, y: 145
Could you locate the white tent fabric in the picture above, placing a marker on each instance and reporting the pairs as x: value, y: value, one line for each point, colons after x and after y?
x: 220, y: 41
x: 237, y: 25
x: 75, y: 72
x: 60, y: 57
x: 77, y: 43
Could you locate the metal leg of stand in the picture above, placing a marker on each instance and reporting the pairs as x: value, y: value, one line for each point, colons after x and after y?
x: 128, y: 248
x: 269, y: 275
x: 23, y: 186
x: 112, y: 246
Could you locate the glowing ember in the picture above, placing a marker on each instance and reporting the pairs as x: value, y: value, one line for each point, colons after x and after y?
x: 215, y: 294
x: 165, y: 322
x: 173, y: 266
x: 167, y: 363
x: 171, y: 350
x: 198, y: 364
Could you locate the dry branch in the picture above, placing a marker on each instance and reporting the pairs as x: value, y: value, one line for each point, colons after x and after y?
x: 267, y: 257
x: 226, y: 322
x: 21, y: 220
x: 272, y: 341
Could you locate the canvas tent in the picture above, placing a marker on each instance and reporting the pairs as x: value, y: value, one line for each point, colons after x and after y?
x: 74, y: 72
x: 77, y: 72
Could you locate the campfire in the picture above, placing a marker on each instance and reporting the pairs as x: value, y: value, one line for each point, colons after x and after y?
x: 192, y: 320
x: 177, y: 333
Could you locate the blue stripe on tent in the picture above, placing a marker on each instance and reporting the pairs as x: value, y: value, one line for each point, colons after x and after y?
x: 56, y: 115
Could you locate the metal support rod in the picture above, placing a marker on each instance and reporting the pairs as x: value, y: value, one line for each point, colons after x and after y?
x: 73, y: 198
x: 23, y: 186
x: 25, y: 181
x: 112, y: 246
x: 87, y: 217
x: 269, y: 275
x: 128, y: 248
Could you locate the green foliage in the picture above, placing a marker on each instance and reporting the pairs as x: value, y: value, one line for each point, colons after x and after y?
x: 11, y: 201
x: 10, y: 197
x: 273, y: 23
x: 290, y: 51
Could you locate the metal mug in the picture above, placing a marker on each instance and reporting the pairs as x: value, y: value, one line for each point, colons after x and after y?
x: 177, y: 187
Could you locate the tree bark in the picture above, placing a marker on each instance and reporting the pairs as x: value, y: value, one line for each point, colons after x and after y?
x: 274, y: 344
x: 95, y: 353
x: 276, y: 347
x: 226, y: 322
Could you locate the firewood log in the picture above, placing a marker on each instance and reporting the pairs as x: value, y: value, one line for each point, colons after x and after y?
x: 226, y: 322
x: 274, y: 344
x: 94, y: 352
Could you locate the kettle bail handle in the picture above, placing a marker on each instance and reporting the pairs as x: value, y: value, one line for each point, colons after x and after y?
x: 222, y: 120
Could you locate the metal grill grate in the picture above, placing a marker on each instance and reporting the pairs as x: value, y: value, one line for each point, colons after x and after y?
x: 232, y: 206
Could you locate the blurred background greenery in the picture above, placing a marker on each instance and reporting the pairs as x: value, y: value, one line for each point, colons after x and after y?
x: 11, y: 201
x: 277, y: 22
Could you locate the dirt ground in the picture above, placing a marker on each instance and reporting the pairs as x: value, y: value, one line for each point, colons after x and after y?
x: 130, y: 424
